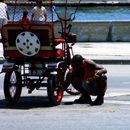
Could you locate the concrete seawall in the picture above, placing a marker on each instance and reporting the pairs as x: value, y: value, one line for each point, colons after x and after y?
x: 100, y: 31
x: 71, y: 2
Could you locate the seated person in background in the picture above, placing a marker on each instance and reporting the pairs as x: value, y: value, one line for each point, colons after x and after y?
x: 4, y: 17
x: 39, y: 13
x: 88, y: 78
x: 25, y: 19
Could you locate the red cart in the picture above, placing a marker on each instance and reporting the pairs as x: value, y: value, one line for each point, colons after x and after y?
x: 33, y: 59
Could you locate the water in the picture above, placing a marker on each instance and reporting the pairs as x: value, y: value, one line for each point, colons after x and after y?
x: 83, y: 13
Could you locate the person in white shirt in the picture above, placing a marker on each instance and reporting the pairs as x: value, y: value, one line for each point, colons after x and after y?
x: 3, y: 13
x: 39, y: 13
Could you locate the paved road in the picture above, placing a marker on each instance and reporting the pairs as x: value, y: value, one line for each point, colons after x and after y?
x: 118, y: 78
x: 33, y: 111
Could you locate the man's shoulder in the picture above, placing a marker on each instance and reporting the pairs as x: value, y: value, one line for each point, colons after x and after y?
x: 35, y: 7
x: 88, y: 61
x: 43, y: 8
x: 3, y: 4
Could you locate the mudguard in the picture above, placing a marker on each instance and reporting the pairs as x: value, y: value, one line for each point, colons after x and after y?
x: 7, y: 66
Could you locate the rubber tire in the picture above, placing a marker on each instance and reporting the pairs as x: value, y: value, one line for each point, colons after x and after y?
x: 7, y: 85
x: 53, y: 88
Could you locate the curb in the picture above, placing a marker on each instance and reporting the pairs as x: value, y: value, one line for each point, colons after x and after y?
x: 99, y: 61
x: 114, y: 62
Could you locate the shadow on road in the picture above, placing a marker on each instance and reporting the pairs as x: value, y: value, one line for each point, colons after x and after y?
x: 27, y: 102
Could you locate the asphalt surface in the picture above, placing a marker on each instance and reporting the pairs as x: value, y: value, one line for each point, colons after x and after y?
x: 34, y: 112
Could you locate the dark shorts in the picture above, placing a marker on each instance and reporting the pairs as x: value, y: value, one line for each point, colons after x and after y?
x: 90, y: 88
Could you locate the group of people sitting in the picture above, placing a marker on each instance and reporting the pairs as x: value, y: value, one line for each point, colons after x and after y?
x: 39, y: 14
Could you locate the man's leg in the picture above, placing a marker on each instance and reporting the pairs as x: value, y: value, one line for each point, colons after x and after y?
x: 68, y: 80
x: 85, y: 97
x: 102, y: 86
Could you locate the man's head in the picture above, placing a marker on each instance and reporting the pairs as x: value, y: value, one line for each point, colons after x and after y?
x: 39, y: 3
x: 76, y: 61
x: 25, y: 12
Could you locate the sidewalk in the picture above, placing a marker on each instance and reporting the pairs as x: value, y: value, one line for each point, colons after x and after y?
x: 102, y: 52
x: 105, y: 52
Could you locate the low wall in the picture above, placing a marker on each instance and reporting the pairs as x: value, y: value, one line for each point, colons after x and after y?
x: 100, y: 31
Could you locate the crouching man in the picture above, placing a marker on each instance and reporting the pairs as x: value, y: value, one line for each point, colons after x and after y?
x: 88, y: 78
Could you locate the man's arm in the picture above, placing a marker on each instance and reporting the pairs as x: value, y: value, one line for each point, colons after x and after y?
x: 99, y: 69
x: 7, y: 15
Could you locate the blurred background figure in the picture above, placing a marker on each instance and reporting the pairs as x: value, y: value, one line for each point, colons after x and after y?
x: 25, y: 19
x: 39, y: 13
x: 3, y: 14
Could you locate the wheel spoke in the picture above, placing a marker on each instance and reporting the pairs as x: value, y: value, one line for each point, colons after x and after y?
x: 12, y: 91
x: 13, y: 79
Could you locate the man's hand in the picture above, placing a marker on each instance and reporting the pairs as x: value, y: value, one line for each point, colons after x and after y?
x: 98, y: 73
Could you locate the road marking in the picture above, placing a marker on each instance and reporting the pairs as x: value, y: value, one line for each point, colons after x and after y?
x: 126, y: 82
x: 56, y: 109
x: 118, y: 102
x: 78, y: 108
